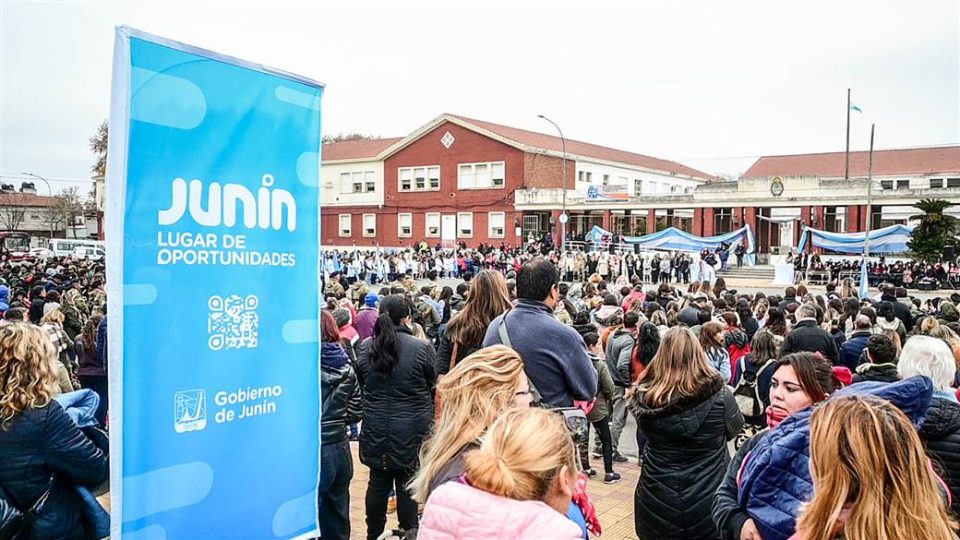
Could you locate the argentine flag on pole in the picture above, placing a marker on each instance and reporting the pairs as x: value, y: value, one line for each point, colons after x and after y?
x: 855, y: 108
x: 864, y: 282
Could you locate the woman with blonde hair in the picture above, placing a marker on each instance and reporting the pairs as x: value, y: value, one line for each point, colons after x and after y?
x: 476, y: 391
x: 687, y: 413
x: 38, y: 440
x: 517, y: 484
x: 464, y: 333
x: 872, y: 479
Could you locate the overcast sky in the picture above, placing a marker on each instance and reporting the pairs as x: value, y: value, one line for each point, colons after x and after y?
x: 679, y: 80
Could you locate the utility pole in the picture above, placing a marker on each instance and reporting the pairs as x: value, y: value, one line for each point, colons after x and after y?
x: 563, y: 214
x: 846, y: 171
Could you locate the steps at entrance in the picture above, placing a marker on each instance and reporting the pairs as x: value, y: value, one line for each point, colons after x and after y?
x: 763, y: 272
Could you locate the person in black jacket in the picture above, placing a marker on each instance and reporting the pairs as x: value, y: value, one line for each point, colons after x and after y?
x: 41, y: 449
x: 888, y: 294
x: 339, y: 406
x: 397, y: 378
x: 931, y: 357
x: 688, y: 414
x: 807, y: 335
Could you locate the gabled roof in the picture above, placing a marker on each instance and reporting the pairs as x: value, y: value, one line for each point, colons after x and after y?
x: 944, y: 159
x: 26, y: 199
x: 535, y: 142
x: 553, y: 143
x: 357, y: 150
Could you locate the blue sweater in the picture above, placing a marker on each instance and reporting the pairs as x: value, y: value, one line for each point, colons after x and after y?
x: 554, y: 355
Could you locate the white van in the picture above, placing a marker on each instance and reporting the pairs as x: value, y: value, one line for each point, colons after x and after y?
x: 65, y: 247
x: 88, y: 252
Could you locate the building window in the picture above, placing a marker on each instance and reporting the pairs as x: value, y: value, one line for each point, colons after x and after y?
x: 465, y: 225
x: 345, y: 225
x: 481, y: 175
x: 495, y: 221
x: 419, y: 178
x: 404, y: 225
x: 903, y: 184
x: 674, y: 189
x: 606, y: 179
x: 723, y: 220
x: 936, y: 183
x: 433, y: 225
x: 369, y: 225
x: 357, y: 182
x: 584, y: 176
x: 953, y: 182
x: 886, y: 184
x: 637, y: 187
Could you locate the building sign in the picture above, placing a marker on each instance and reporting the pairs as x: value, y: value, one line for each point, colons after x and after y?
x: 213, y: 288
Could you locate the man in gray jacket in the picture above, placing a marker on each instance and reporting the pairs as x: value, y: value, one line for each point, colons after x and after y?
x: 619, y: 349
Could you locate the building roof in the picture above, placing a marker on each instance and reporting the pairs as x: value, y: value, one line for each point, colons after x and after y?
x: 554, y: 144
x: 912, y: 161
x: 26, y: 199
x: 354, y: 150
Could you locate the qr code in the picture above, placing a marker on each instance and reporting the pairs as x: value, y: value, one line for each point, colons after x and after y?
x: 233, y: 322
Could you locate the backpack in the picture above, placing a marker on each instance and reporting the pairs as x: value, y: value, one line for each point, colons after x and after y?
x: 747, y: 392
x: 710, y: 259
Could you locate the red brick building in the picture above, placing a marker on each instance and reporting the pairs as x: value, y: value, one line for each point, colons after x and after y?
x: 456, y: 180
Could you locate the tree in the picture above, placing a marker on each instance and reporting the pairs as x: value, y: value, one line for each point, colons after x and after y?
x: 67, y: 206
x: 12, y: 211
x: 935, y: 230
x: 98, y: 145
x: 345, y: 137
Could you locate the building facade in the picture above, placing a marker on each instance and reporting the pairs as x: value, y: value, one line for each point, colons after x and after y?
x: 459, y: 180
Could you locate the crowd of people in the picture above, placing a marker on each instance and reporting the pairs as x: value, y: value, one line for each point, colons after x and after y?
x: 53, y: 400
x: 477, y: 406
x: 482, y: 410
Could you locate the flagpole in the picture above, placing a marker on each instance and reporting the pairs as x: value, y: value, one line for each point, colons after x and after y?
x: 846, y: 171
x: 866, y: 247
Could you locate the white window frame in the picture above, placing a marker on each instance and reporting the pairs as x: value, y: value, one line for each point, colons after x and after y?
x: 363, y: 224
x: 400, y: 225
x: 426, y: 227
x: 503, y: 225
x: 952, y: 183
x: 366, y: 181
x: 460, y: 216
x: 472, y: 170
x: 346, y: 182
x: 941, y: 181
x: 427, y: 178
x: 340, y: 228
x: 369, y: 181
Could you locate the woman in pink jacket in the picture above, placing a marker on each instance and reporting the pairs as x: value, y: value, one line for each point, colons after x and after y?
x: 518, y: 484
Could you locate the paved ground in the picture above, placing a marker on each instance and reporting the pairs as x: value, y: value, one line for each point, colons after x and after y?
x: 614, y: 502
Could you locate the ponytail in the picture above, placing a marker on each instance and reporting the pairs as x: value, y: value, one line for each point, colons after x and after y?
x: 384, y: 349
x: 521, y: 453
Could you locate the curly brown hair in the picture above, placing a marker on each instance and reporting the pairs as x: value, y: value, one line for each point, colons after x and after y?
x: 27, y: 375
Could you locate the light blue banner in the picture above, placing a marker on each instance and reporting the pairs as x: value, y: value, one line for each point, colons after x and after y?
x: 213, y: 235
x: 892, y: 239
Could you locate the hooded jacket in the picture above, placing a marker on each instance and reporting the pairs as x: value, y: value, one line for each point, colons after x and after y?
x: 851, y: 352
x: 619, y: 347
x: 941, y: 433
x: 684, y: 461
x: 458, y: 511
x: 4, y: 298
x: 775, y: 478
x: 397, y: 408
x: 876, y: 372
x: 340, y: 404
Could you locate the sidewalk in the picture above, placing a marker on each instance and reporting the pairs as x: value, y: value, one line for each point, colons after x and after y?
x: 614, y: 502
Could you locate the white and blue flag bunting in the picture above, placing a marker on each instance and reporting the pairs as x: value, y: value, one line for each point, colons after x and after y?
x: 892, y: 239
